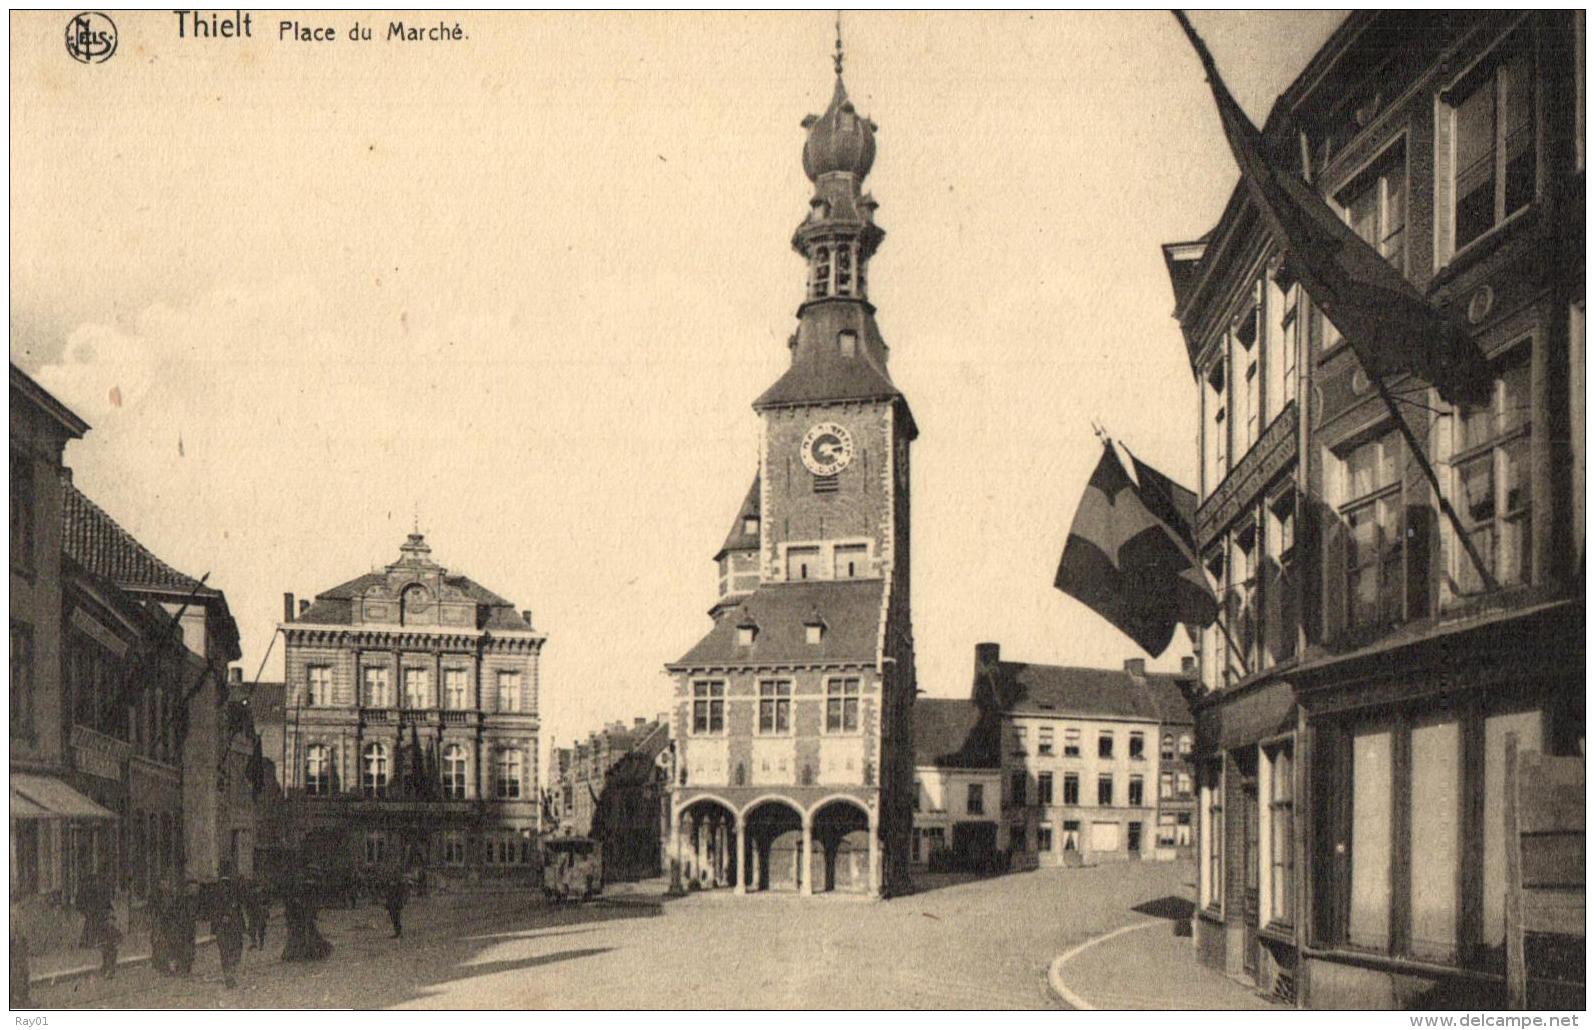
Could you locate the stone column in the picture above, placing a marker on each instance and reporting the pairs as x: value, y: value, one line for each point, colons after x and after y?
x: 700, y: 839
x: 742, y: 855
x: 807, y: 864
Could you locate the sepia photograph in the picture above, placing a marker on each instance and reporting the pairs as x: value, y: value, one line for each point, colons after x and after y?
x: 797, y: 510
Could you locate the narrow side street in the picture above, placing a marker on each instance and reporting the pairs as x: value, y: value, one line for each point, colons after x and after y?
x: 982, y: 944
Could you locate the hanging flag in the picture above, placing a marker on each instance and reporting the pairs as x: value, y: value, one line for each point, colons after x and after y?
x: 1391, y: 327
x: 1130, y: 556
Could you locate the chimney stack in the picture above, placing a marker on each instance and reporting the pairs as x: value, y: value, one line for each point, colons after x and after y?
x: 1135, y: 667
x: 304, y: 606
x: 287, y: 607
x: 235, y: 676
x: 638, y: 722
x: 526, y: 617
x: 1188, y: 665
x: 987, y: 654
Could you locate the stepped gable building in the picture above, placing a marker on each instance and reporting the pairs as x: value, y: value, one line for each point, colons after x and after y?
x: 411, y: 722
x: 1357, y: 698
x: 792, y: 715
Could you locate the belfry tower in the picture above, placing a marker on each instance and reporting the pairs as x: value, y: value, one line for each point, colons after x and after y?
x: 793, y: 715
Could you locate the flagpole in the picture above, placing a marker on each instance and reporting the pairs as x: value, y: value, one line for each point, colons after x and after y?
x: 1434, y: 481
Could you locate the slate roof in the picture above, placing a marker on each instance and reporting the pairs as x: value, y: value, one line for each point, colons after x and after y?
x: 955, y: 733
x: 737, y: 540
x: 94, y: 540
x: 851, y: 610
x: 820, y: 371
x: 1029, y: 689
x: 267, y: 701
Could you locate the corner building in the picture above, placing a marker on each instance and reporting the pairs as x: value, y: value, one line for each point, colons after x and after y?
x: 794, y: 713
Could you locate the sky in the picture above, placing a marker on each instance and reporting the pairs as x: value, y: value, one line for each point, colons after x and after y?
x: 522, y: 288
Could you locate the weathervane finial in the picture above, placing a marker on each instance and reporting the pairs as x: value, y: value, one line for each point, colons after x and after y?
x: 838, y: 42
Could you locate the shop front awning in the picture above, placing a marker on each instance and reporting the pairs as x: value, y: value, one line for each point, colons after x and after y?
x: 48, y: 798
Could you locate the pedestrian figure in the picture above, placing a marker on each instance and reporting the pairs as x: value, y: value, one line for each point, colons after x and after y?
x: 256, y: 911
x: 110, y: 940
x: 227, y: 925
x: 183, y: 918
x: 158, y: 908
x: 21, y: 987
x: 397, y: 895
x: 93, y: 909
x: 305, y: 943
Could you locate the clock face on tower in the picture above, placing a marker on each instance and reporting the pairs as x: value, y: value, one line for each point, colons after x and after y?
x: 827, y: 448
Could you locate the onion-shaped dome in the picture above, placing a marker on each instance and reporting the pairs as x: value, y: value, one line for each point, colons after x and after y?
x: 840, y: 140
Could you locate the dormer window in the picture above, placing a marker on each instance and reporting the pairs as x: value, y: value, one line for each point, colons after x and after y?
x: 747, y: 633
x: 750, y: 526
x: 847, y: 343
x: 814, y: 628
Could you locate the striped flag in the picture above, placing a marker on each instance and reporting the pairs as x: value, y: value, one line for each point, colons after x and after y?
x: 1130, y: 556
x: 1391, y: 327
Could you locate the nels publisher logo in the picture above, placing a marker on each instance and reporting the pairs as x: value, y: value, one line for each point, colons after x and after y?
x: 91, y: 37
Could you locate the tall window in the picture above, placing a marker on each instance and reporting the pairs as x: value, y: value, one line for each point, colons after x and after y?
x: 1071, y: 788
x: 319, y: 680
x: 1138, y: 745
x: 1137, y: 791
x: 975, y: 800
x: 509, y: 691
x: 1167, y: 751
x: 1020, y: 743
x: 377, y: 687
x: 1215, y: 425
x: 453, y: 847
x: 24, y: 517
x: 1492, y: 119
x: 416, y: 688
x: 1044, y: 788
x: 454, y: 681
x: 1372, y: 513
x: 1105, y: 789
x: 1018, y: 788
x: 454, y: 766
x: 1282, y: 826
x: 841, y: 705
x: 775, y: 707
x: 1244, y: 596
x: 1375, y: 206
x: 318, y: 770
x: 507, y: 773
x: 708, y: 707
x: 1283, y: 340
x: 376, y: 847
x: 1213, y: 839
x: 1105, y: 745
x: 1279, y: 591
x: 1071, y: 742
x: 1491, y: 477
x: 1249, y: 384
x: 21, y: 680
x: 1071, y: 835
x: 1044, y: 741
x: 374, y: 770
x: 1165, y: 785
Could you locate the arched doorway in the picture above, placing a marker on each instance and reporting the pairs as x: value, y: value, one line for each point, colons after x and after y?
x: 707, y: 844
x: 841, y: 848
x: 775, y: 847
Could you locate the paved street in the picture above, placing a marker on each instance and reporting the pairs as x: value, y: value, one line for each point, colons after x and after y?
x: 983, y: 944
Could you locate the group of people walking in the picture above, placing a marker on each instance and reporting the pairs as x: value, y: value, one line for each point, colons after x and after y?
x: 237, y: 911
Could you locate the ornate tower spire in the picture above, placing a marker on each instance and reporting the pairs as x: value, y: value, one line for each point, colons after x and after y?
x: 839, y: 235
